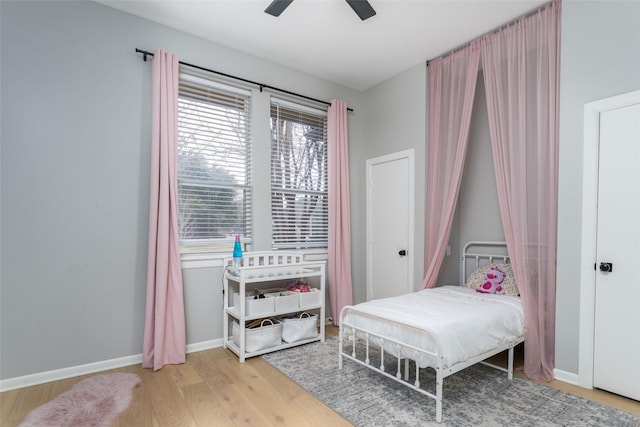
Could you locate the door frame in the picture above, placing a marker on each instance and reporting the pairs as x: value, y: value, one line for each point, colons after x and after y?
x: 409, y: 155
x: 592, y: 111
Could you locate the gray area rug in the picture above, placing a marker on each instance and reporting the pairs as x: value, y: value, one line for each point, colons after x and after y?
x: 476, y: 396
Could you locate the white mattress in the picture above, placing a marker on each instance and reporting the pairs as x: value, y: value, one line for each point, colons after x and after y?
x: 466, y: 323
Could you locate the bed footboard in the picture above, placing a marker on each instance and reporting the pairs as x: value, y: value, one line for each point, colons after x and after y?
x: 384, y: 343
x: 390, y: 347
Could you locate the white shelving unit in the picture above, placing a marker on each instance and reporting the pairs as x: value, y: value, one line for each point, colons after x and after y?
x: 264, y: 271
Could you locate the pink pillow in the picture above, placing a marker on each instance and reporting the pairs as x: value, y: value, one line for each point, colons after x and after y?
x: 479, y: 277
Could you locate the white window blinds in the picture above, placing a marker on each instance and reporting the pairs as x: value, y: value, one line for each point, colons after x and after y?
x: 214, y: 164
x: 298, y: 176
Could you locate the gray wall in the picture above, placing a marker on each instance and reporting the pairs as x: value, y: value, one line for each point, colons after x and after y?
x: 477, y: 214
x: 478, y: 209
x: 600, y: 58
x: 395, y: 122
x: 75, y: 153
x: 478, y: 204
x: 74, y: 170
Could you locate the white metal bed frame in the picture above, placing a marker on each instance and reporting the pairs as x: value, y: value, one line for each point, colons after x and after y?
x: 441, y: 370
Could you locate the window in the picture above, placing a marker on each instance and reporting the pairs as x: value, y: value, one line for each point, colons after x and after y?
x: 298, y: 176
x: 214, y: 164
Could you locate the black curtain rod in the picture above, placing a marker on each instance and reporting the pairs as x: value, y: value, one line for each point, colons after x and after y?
x: 260, y: 85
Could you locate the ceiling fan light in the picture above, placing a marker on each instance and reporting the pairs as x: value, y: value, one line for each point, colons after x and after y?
x: 277, y: 7
x: 362, y: 8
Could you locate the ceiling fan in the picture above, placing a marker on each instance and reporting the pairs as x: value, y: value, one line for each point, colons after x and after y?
x: 361, y: 7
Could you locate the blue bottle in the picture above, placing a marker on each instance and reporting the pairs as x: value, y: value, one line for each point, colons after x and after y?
x: 237, y: 256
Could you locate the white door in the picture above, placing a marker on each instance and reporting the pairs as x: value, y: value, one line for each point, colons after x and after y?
x: 617, y: 300
x: 390, y: 194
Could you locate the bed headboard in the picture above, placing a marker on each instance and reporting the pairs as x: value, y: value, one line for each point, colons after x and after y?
x: 477, y: 253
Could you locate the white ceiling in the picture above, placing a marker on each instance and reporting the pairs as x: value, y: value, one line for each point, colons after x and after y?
x: 326, y: 38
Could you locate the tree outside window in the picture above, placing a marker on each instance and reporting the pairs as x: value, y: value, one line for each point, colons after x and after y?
x: 214, y: 176
x: 298, y: 177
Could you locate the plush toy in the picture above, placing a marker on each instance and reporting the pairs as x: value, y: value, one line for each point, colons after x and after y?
x: 297, y: 286
x: 492, y: 283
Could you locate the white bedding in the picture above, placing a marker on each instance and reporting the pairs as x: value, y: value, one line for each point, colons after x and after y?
x: 467, y: 323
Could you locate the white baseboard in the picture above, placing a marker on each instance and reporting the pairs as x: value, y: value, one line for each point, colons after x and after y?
x: 204, y: 345
x: 73, y: 371
x: 566, y: 377
x: 90, y: 368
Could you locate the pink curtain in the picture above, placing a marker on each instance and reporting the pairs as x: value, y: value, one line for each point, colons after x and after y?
x: 339, y: 262
x: 521, y: 71
x: 452, y: 85
x: 164, y: 332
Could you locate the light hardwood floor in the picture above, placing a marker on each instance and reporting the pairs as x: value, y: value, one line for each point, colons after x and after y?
x: 213, y: 389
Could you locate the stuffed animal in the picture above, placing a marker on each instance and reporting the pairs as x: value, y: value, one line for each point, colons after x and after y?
x: 492, y: 283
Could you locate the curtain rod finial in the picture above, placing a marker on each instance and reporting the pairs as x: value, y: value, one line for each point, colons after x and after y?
x: 144, y: 54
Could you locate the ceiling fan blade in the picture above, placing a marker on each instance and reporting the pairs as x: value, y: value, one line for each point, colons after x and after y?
x: 362, y: 8
x: 277, y: 7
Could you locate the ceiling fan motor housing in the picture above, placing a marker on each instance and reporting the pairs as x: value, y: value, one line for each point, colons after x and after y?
x: 361, y: 7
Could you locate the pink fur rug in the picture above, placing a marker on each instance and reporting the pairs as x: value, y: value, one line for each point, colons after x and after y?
x: 95, y: 402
